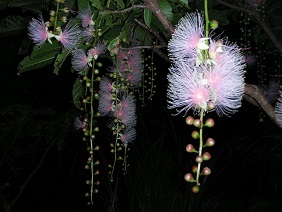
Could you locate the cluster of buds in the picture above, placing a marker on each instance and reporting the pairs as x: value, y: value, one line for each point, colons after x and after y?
x: 201, y: 156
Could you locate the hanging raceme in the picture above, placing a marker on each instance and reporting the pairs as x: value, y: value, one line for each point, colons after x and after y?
x: 205, y: 75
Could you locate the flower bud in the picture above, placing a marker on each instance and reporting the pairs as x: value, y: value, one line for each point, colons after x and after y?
x: 189, y: 177
x: 195, y: 134
x: 194, y: 169
x: 195, y: 189
x: 213, y: 24
x: 206, y: 171
x: 211, y: 105
x: 199, y: 159
x: 189, y: 120
x: 190, y: 148
x: 206, y: 156
x: 209, y: 122
x: 197, y: 123
x: 209, y: 142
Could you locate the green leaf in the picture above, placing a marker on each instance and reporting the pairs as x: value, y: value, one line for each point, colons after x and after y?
x: 30, y: 5
x: 125, y: 32
x: 121, y: 4
x: 77, y: 92
x: 166, y: 8
x: 28, y: 64
x: 113, y: 43
x: 60, y: 59
x: 97, y: 4
x: 47, y: 48
x: 13, y: 25
x: 184, y: 2
x: 147, y: 17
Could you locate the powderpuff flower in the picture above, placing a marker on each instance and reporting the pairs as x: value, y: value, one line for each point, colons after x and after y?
x: 126, y: 112
x: 106, y: 85
x: 79, y: 60
x: 105, y: 103
x: 134, y: 77
x: 278, y: 111
x: 226, y: 83
x: 70, y: 36
x: 128, y: 136
x: 97, y: 50
x: 87, y: 33
x: 38, y: 32
x: 188, y: 39
x: 187, y: 88
x: 78, y: 124
x: 86, y: 17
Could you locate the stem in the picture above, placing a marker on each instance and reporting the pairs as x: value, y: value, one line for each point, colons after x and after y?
x: 200, y: 146
x: 56, y: 16
x: 207, y: 21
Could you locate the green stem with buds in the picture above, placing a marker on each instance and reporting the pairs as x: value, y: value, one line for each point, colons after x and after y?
x: 200, y: 146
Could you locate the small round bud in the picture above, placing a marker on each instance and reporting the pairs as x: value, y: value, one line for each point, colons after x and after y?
x: 211, y: 105
x: 195, y: 134
x: 66, y: 10
x: 97, y: 172
x: 88, y: 182
x: 209, y: 142
x: 52, y: 13
x: 206, y: 171
x: 194, y: 169
x: 199, y: 159
x: 189, y: 177
x: 64, y: 19
x: 213, y: 24
x: 96, y: 71
x: 97, y: 183
x: 189, y: 120
x: 87, y: 194
x: 96, y: 129
x: 96, y: 148
x: 91, y: 152
x: 197, y: 123
x: 88, y: 84
x: 87, y: 167
x: 190, y: 148
x: 195, y: 189
x: 97, y: 162
x: 209, y: 122
x: 96, y: 191
x: 206, y: 156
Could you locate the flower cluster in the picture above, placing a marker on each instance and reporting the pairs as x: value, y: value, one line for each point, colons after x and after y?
x: 87, y: 24
x: 206, y: 74
x: 39, y: 33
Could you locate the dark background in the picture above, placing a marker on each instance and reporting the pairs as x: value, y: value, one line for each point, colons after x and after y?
x: 43, y: 157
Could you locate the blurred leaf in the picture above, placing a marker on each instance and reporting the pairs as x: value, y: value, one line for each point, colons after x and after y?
x: 77, y: 92
x: 219, y: 15
x: 3, y: 4
x: 13, y: 25
x: 113, y: 43
x: 184, y: 2
x: 147, y: 17
x: 60, y: 59
x: 97, y: 4
x: 121, y: 4
x: 30, y: 5
x: 166, y: 8
x: 47, y: 48
x: 25, y: 45
x: 28, y: 64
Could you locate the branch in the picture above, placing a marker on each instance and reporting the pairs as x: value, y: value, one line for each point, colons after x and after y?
x: 265, y: 26
x: 256, y: 94
x: 154, y: 7
x: 124, y: 10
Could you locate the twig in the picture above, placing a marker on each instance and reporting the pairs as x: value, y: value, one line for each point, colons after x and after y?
x: 124, y: 10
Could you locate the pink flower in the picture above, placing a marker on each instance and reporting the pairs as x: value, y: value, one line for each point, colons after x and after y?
x: 105, y: 85
x: 187, y: 88
x: 70, y: 36
x: 126, y: 112
x: 105, y: 103
x: 79, y: 60
x: 86, y: 17
x: 78, y: 124
x: 38, y: 32
x: 87, y: 33
x: 187, y: 37
x: 250, y: 60
x: 128, y: 136
x: 97, y: 50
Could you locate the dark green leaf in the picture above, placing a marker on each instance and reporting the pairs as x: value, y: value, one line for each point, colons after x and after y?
x: 166, y: 8
x: 13, y: 25
x: 147, y: 17
x: 47, y: 48
x: 77, y: 92
x: 184, y: 2
x: 28, y: 64
x: 125, y: 32
x: 113, y: 43
x: 3, y: 4
x: 97, y: 4
x: 30, y: 5
x: 59, y: 61
x: 121, y: 4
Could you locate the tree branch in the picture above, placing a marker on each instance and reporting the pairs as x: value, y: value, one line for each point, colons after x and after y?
x: 124, y: 10
x: 154, y: 7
